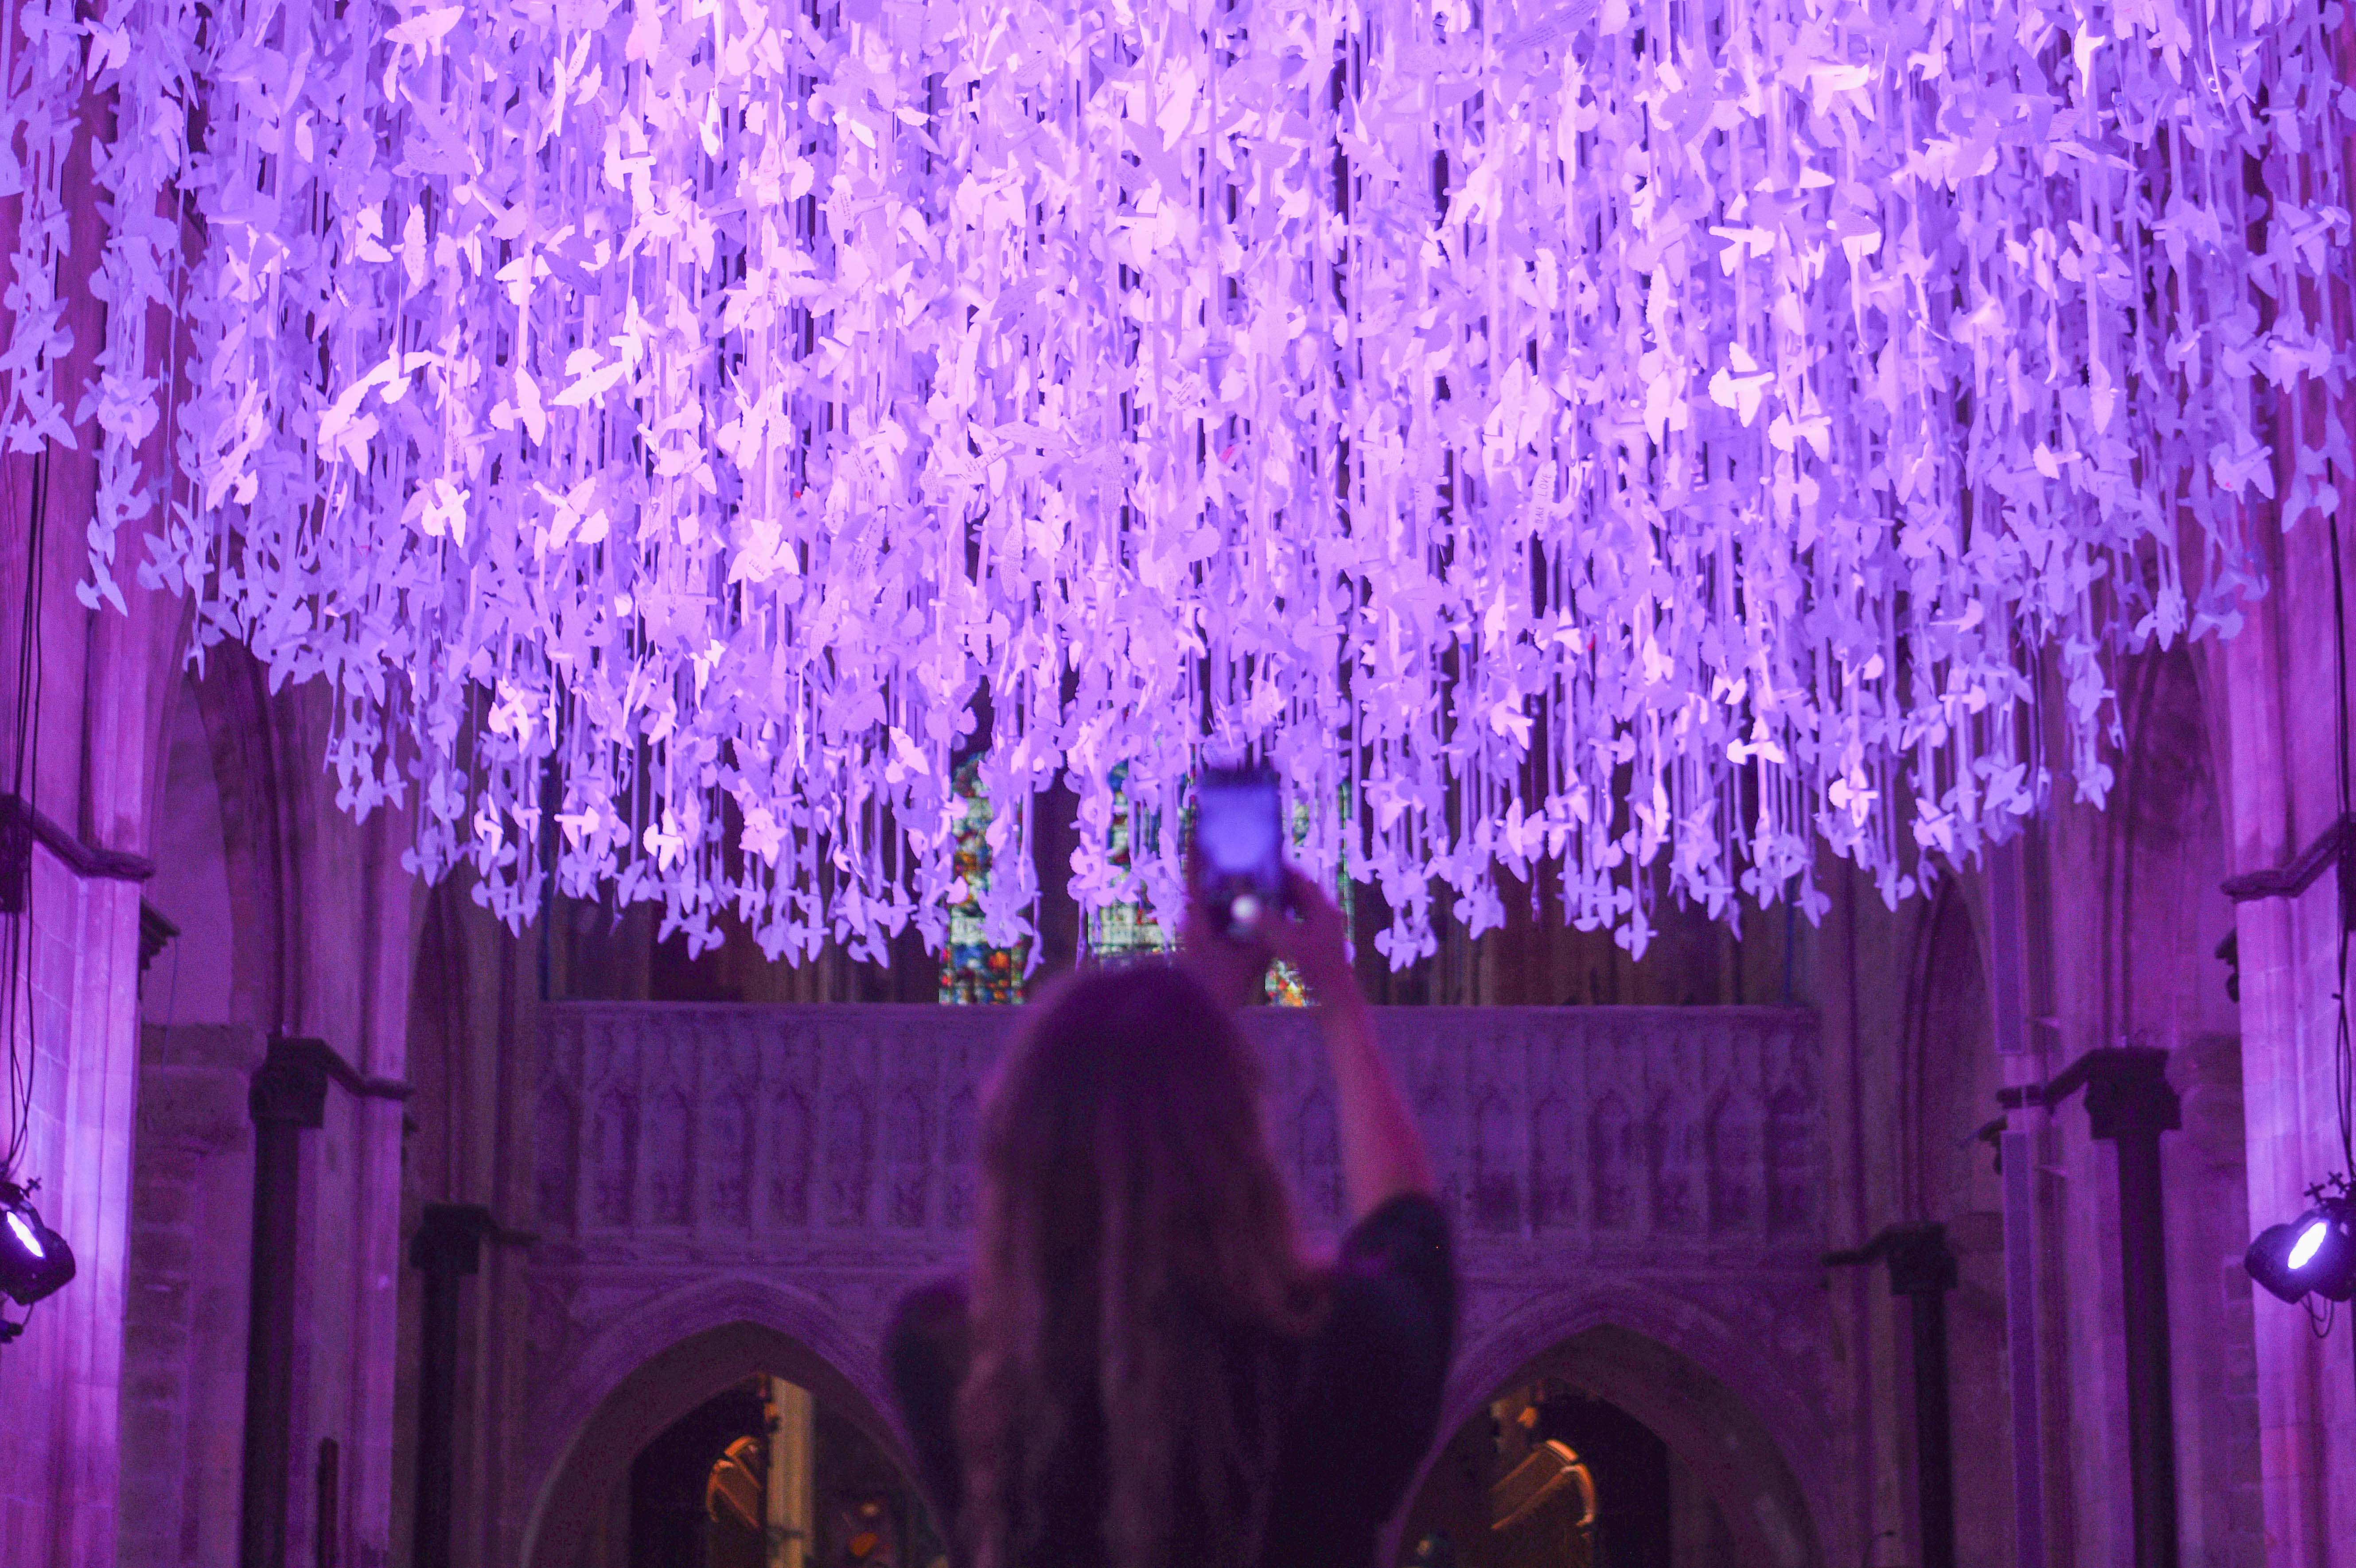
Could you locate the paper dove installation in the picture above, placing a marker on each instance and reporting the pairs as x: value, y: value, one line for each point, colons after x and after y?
x: 1625, y: 433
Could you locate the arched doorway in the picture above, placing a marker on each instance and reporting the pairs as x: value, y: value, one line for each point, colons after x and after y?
x: 1681, y: 1472
x: 762, y: 1475
x: 672, y: 1470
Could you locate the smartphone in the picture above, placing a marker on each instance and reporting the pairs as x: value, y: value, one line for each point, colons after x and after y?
x: 1239, y: 848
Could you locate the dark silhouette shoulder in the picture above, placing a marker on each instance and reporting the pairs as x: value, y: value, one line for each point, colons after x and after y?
x: 1366, y: 1396
x: 925, y: 1356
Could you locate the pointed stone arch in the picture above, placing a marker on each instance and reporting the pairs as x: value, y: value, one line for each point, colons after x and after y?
x: 1706, y: 1390
x: 662, y: 1360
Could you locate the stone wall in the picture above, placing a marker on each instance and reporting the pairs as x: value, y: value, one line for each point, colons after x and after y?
x: 87, y: 776
x: 184, y: 1332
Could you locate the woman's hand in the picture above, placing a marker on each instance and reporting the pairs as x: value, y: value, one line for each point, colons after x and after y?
x: 1310, y: 938
x: 1382, y: 1149
x: 1231, y: 970
x: 1308, y: 934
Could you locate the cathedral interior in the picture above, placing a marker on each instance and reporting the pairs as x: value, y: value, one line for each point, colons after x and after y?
x: 595, y: 599
x: 565, y: 1247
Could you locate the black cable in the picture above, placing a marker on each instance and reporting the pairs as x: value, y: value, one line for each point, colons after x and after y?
x: 2343, y: 1064
x: 14, y: 950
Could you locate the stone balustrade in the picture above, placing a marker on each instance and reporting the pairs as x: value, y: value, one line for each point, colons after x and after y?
x: 758, y: 1130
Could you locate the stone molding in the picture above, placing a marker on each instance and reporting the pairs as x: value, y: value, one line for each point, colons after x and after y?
x: 24, y: 824
x: 2334, y: 846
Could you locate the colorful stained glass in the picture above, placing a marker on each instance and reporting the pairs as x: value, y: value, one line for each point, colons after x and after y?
x: 1127, y: 928
x: 974, y: 970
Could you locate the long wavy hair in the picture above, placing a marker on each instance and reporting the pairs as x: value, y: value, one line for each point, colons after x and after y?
x: 1139, y: 1292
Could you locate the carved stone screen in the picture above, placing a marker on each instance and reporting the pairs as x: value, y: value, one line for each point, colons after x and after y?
x: 1656, y: 1169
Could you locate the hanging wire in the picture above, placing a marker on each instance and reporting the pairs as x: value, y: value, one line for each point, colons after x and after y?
x: 15, y: 1020
x: 2343, y: 1063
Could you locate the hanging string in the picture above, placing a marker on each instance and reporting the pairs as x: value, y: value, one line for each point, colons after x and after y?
x: 753, y: 385
x: 2343, y: 1063
x: 17, y: 925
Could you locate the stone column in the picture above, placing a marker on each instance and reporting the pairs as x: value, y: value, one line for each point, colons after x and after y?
x: 76, y: 911
x: 2129, y: 1104
x: 447, y: 1247
x: 1922, y: 1270
x: 184, y: 1328
x: 2010, y: 994
x: 289, y: 1095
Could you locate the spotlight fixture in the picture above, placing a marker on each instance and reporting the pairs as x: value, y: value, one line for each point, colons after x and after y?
x: 2315, y: 1254
x: 34, y: 1261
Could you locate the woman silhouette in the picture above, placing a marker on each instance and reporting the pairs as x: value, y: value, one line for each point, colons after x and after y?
x: 1141, y: 1370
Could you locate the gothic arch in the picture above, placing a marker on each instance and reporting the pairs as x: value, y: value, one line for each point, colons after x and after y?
x: 1707, y: 1392
x: 260, y: 784
x: 192, y: 980
x: 665, y: 1359
x: 1951, y: 1071
x: 2163, y: 861
x: 1947, y: 1174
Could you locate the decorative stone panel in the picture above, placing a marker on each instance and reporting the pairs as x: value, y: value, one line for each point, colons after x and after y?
x: 1555, y: 1126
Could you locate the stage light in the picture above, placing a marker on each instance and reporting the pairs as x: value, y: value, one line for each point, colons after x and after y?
x: 34, y: 1261
x: 2268, y: 1263
x: 2313, y: 1255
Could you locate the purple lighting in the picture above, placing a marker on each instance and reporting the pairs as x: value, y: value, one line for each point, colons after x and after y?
x: 1583, y: 439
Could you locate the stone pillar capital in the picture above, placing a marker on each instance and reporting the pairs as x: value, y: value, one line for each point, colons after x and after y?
x: 2126, y: 1091
x: 291, y: 1085
x: 1920, y: 1261
x: 155, y: 931
x: 449, y: 1241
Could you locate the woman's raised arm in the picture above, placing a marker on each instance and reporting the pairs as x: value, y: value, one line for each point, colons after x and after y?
x: 1382, y: 1154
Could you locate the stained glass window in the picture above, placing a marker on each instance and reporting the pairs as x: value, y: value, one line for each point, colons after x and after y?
x: 973, y: 970
x: 1126, y: 930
